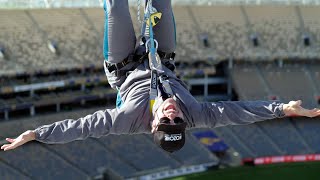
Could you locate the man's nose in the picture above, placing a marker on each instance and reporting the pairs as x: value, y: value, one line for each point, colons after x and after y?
x: 171, y: 116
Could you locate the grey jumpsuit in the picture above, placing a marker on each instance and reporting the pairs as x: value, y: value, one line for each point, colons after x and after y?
x: 134, y: 116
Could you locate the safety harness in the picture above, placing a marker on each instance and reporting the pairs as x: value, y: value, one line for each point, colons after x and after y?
x: 157, y: 73
x: 151, y: 16
x: 158, y: 77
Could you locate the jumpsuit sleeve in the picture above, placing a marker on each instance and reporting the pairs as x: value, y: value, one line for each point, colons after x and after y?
x: 95, y: 125
x: 236, y: 112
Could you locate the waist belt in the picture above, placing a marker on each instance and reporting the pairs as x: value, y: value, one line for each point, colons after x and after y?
x: 116, y: 67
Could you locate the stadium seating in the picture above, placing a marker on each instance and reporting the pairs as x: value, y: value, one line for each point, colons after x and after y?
x: 135, y: 149
x: 256, y: 140
x: 225, y: 28
x: 309, y: 130
x: 37, y: 162
x: 285, y: 136
x: 8, y: 172
x: 233, y: 140
x: 78, y: 35
x: 188, y: 44
x: 22, y: 41
x: 91, y: 156
x: 314, y: 71
x: 77, y: 41
x: 248, y: 82
x: 97, y: 18
x: 290, y: 82
x: 192, y: 153
x: 310, y: 15
x: 277, y: 28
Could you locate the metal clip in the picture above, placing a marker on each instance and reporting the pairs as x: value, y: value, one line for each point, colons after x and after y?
x: 147, y: 43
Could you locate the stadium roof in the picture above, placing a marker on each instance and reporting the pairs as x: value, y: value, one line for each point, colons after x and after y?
x: 12, y: 4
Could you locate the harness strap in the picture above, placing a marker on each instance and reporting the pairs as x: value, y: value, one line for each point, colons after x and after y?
x: 157, y: 73
x: 116, y: 67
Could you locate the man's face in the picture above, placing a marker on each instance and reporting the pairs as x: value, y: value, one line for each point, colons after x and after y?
x: 169, y: 109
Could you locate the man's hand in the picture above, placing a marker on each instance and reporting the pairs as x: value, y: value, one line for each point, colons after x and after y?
x: 294, y: 108
x: 20, y: 140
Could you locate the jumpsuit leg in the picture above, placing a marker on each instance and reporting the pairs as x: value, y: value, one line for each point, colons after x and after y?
x: 119, y: 36
x: 165, y: 30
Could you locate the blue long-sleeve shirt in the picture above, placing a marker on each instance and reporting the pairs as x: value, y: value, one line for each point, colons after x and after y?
x: 134, y: 115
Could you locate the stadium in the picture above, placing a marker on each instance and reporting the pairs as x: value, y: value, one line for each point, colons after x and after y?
x: 51, y: 68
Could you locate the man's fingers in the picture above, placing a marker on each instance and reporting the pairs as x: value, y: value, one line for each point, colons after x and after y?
x: 316, y: 112
x: 299, y: 102
x: 10, y: 140
x: 6, y: 147
x: 9, y: 147
x: 312, y: 113
x: 13, y: 145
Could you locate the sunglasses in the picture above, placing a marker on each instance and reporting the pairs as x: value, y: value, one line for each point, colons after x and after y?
x: 166, y: 120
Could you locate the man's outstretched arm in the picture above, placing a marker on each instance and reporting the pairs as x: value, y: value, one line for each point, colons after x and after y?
x: 95, y: 125
x: 246, y: 112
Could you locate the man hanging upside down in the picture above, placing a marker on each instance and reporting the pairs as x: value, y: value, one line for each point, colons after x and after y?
x: 127, y: 69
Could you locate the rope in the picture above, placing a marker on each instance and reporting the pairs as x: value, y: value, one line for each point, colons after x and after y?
x: 138, y: 11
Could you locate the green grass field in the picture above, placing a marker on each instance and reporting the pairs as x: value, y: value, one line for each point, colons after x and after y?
x: 292, y: 171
